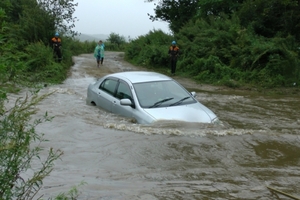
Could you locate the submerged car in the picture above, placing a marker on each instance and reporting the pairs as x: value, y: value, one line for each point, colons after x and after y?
x: 147, y: 97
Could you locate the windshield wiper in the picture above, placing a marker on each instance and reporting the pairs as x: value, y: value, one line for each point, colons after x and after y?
x: 180, y: 101
x: 160, y: 102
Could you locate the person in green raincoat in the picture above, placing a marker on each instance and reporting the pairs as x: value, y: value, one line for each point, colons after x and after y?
x: 102, y: 52
x: 99, y: 53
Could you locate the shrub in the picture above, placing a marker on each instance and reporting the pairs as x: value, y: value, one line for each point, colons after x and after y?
x: 20, y: 147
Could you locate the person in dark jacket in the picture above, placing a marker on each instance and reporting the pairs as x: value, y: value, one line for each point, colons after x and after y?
x: 56, y: 45
x: 173, y: 53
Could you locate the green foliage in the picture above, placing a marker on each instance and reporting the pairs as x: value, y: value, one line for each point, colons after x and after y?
x: 236, y: 51
x: 217, y: 7
x: 36, y: 62
x: 268, y: 18
x: 77, y: 47
x: 20, y: 148
x: 24, y: 41
x: 41, y: 66
x: 115, y: 40
x: 150, y: 50
x: 10, y: 60
x: 218, y: 49
x: 272, y: 18
x: 38, y: 57
x: 114, y: 47
x: 72, y: 194
x: 176, y: 13
x: 61, y: 13
x: 34, y: 23
x: 26, y: 60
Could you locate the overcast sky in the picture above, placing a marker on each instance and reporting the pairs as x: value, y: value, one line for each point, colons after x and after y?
x: 123, y: 17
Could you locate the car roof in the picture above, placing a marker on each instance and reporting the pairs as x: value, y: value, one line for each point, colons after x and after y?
x: 141, y: 76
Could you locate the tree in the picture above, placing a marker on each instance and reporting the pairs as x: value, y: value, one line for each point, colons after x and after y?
x: 37, y: 20
x: 176, y: 12
x: 35, y: 23
x: 272, y: 18
x: 62, y: 14
x: 218, y: 7
x: 116, y: 39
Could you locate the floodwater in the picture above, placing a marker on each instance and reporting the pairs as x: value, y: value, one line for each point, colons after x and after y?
x: 257, y: 145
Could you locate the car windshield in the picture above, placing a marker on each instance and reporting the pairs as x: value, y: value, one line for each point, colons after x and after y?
x: 162, y: 94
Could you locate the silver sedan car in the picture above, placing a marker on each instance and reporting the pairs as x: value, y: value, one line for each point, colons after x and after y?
x: 147, y: 97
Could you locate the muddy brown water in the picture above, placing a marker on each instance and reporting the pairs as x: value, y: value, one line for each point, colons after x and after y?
x: 257, y: 145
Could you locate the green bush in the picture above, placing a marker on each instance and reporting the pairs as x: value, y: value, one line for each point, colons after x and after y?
x: 20, y: 147
x: 238, y: 54
x: 150, y: 50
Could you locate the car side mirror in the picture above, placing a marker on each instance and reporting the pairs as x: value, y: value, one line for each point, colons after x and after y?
x: 193, y: 94
x: 125, y: 102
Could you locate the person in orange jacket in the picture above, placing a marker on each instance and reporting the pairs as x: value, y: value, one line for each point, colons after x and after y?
x: 173, y: 53
x: 56, y: 45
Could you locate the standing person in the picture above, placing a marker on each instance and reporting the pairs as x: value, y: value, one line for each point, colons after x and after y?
x: 102, y: 52
x: 56, y: 45
x: 173, y: 53
x: 97, y: 52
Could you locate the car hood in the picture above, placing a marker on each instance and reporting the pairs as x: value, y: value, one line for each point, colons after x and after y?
x: 188, y: 113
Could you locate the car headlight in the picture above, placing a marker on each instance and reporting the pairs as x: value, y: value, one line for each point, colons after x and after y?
x: 216, y: 121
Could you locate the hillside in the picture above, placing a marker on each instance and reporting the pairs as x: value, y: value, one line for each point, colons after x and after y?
x: 94, y: 37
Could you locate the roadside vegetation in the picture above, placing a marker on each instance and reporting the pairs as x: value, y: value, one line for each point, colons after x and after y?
x: 233, y: 43
x: 26, y: 60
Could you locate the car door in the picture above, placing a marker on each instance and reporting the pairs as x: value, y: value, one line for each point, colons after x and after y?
x: 123, y: 92
x: 106, y: 93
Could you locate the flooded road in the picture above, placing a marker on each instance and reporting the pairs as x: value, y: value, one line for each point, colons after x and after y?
x: 257, y: 145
